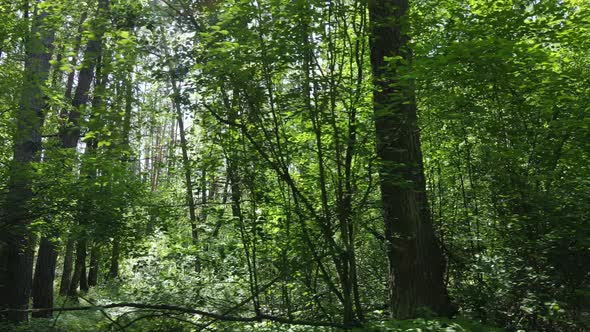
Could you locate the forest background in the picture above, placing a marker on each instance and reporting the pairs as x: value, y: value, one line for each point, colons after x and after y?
x: 191, y: 165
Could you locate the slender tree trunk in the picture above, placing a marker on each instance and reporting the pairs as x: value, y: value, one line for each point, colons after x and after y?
x: 94, y: 265
x: 115, y: 253
x: 66, y: 277
x: 44, y: 276
x: 187, y: 168
x: 236, y: 195
x: 17, y: 260
x: 70, y: 134
x: 416, y: 263
x: 79, y: 276
x: 76, y: 48
x: 116, y: 246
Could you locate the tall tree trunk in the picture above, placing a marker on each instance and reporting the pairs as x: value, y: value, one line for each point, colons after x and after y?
x: 44, y: 276
x: 90, y: 170
x: 236, y: 196
x: 416, y: 263
x: 70, y: 134
x: 66, y: 277
x: 116, y: 247
x: 187, y: 168
x: 47, y: 256
x: 17, y: 260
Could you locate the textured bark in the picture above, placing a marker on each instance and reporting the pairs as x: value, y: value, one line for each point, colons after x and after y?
x: 44, y: 276
x: 17, y: 255
x: 416, y: 263
x: 66, y: 277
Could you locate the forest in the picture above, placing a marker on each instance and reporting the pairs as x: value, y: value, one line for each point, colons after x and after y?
x: 294, y: 165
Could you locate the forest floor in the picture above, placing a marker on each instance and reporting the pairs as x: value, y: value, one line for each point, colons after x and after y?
x: 133, y: 320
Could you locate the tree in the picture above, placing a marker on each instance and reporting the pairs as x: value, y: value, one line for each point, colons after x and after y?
x: 70, y: 133
x: 416, y: 263
x: 17, y: 248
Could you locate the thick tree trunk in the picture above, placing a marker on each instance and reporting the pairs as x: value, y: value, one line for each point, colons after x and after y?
x: 66, y: 277
x: 44, y: 276
x: 17, y: 259
x: 416, y: 263
x: 19, y: 268
x: 47, y: 257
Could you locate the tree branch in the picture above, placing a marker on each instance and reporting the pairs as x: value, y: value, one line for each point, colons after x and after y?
x: 167, y: 307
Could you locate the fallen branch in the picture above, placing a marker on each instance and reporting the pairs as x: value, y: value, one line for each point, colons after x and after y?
x: 167, y: 307
x: 239, y: 305
x: 103, y: 313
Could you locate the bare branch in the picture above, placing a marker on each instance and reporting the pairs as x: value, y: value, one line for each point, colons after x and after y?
x: 167, y: 307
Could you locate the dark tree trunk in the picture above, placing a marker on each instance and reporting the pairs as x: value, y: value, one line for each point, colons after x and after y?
x: 94, y: 265
x: 81, y: 258
x: 69, y: 135
x: 44, y: 276
x: 66, y: 277
x: 17, y: 255
x: 47, y: 257
x: 114, y: 266
x: 79, y: 276
x: 77, y: 42
x: 416, y: 263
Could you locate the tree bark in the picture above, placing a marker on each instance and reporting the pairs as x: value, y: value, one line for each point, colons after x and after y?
x: 416, y: 263
x: 70, y: 134
x: 76, y: 48
x: 94, y: 265
x: 44, y: 276
x: 66, y: 277
x: 79, y: 276
x: 47, y: 256
x: 114, y: 266
x: 17, y: 255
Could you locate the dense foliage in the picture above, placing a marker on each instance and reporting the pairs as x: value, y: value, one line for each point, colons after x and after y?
x: 212, y: 165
